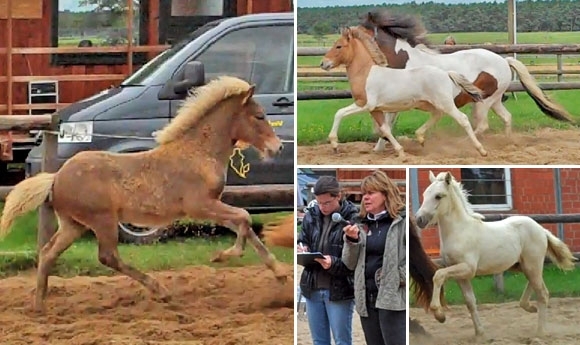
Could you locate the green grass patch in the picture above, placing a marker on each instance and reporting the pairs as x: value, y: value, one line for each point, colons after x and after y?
x: 559, y: 283
x: 17, y: 251
x: 315, y: 118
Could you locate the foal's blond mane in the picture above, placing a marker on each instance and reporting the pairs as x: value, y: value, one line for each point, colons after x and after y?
x: 198, y: 103
x: 376, y: 54
x: 461, y: 195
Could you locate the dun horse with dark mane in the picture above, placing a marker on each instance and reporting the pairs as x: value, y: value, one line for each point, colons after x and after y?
x: 183, y: 176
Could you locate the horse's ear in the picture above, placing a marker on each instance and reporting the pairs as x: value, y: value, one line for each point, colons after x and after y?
x: 249, y: 94
x: 347, y: 33
x: 431, y: 176
x: 448, y: 177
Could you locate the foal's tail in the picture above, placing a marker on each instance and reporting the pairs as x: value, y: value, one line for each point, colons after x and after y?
x: 547, y: 106
x: 559, y: 252
x: 473, y: 91
x: 25, y: 197
x: 422, y: 269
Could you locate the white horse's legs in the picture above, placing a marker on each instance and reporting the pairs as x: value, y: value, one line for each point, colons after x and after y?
x: 469, y: 297
x: 505, y: 115
x: 385, y: 130
x: 463, y: 120
x: 390, y: 118
x: 536, y: 282
x: 479, y: 114
x: 420, y: 132
x: 459, y: 271
x: 340, y: 114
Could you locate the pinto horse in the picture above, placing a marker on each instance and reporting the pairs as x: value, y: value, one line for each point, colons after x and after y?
x: 376, y: 88
x: 184, y: 176
x: 402, y: 40
x: 472, y: 247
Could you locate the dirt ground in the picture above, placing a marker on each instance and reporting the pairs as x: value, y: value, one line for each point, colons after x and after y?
x: 210, y: 306
x: 505, y: 324
x: 544, y: 146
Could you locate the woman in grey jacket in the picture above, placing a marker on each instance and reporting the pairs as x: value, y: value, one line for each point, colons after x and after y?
x: 375, y: 249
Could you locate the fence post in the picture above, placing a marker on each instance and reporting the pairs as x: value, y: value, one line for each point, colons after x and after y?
x: 560, y: 70
x: 46, y: 218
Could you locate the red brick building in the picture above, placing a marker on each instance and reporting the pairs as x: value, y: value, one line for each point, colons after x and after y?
x: 510, y: 190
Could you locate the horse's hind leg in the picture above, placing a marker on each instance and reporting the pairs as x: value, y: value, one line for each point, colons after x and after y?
x: 240, y: 221
x: 470, y: 302
x: 420, y: 132
x: 390, y: 118
x: 105, y: 228
x: 68, y: 231
x: 479, y: 116
x: 385, y: 130
x: 533, y: 271
x: 505, y: 115
x: 463, y: 120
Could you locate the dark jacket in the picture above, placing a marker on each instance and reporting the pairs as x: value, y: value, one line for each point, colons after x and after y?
x: 342, y: 278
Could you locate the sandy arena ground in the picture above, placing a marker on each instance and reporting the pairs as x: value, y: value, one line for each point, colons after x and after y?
x: 545, y: 146
x: 224, y: 306
x: 505, y: 324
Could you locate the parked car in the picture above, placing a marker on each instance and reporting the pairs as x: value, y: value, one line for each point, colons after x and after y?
x: 258, y: 48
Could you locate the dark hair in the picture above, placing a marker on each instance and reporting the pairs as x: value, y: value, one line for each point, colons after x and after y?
x: 327, y: 184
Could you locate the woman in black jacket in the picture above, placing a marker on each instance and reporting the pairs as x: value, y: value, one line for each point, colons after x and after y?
x: 327, y: 284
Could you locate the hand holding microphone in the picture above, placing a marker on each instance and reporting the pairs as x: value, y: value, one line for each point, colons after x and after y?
x: 351, y: 230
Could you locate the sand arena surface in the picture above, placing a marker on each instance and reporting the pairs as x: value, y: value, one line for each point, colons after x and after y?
x: 210, y: 306
x: 504, y: 323
x: 544, y: 146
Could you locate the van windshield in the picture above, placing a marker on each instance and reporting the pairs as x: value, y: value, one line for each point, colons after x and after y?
x: 141, y: 75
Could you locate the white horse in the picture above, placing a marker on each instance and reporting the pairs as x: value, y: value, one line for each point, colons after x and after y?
x: 471, y: 247
x: 402, y: 39
x: 379, y: 89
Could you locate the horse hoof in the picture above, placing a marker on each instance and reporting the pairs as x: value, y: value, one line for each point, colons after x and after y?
x: 483, y: 152
x: 217, y: 257
x: 439, y: 316
x: 335, y: 149
x: 282, y: 279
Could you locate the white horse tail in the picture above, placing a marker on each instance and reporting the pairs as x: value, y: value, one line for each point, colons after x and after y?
x: 473, y: 91
x: 559, y: 252
x: 26, y: 196
x: 547, y: 106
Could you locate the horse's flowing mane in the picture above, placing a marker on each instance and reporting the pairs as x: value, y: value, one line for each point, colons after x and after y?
x: 376, y: 54
x: 461, y: 195
x: 406, y: 27
x: 198, y: 103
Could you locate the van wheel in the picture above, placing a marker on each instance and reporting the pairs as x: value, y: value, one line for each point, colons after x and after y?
x: 129, y: 233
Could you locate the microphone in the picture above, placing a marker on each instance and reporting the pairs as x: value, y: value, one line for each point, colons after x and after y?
x: 337, y: 218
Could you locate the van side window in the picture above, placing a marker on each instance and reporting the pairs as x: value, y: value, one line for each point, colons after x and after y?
x: 260, y: 55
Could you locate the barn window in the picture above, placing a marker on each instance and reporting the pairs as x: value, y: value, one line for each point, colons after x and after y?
x: 94, y: 23
x: 490, y: 188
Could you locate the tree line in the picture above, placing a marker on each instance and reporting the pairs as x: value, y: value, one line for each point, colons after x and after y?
x: 532, y: 16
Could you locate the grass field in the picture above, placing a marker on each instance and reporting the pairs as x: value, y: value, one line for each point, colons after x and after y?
x: 559, y: 283
x: 17, y: 252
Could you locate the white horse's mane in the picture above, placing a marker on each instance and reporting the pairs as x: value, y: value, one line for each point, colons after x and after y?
x: 462, y: 195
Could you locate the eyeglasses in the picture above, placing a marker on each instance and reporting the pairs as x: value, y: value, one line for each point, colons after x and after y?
x: 326, y: 203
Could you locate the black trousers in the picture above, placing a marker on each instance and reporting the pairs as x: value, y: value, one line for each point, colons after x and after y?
x: 384, y: 327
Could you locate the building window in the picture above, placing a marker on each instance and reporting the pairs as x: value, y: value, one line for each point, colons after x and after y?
x: 489, y: 188
x: 95, y: 23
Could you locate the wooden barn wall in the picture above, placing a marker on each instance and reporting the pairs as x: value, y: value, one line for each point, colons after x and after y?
x: 532, y: 193
x: 36, y: 33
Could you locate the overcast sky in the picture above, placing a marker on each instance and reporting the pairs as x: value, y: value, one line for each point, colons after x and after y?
x: 325, y: 3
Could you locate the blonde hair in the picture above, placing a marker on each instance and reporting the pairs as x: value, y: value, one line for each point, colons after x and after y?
x: 378, y: 181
